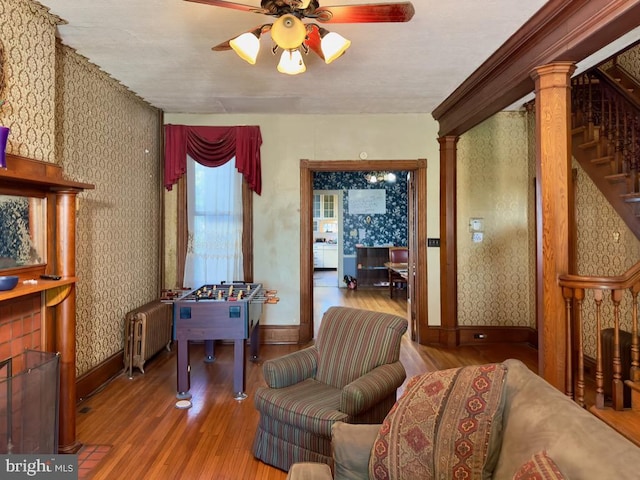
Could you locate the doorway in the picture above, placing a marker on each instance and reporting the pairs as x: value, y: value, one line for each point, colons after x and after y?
x: 327, y: 238
x: 417, y: 230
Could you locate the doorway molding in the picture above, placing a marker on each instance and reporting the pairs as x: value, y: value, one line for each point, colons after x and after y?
x: 418, y: 302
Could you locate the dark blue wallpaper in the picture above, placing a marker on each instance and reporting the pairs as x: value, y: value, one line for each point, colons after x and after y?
x: 384, y: 229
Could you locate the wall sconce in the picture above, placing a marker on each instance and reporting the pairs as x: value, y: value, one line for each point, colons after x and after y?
x: 379, y: 177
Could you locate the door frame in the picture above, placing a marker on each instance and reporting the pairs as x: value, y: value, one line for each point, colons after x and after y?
x: 419, y: 290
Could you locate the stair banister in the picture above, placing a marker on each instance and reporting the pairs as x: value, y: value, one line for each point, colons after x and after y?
x: 573, y: 290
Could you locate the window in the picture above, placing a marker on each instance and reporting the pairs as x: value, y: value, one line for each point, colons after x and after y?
x: 215, y: 220
x: 328, y: 206
x: 324, y: 206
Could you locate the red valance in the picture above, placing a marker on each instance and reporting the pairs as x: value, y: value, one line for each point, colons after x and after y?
x: 213, y: 146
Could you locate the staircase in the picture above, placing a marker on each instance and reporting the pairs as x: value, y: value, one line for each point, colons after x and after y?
x: 606, y: 143
x: 606, y: 137
x: 626, y: 421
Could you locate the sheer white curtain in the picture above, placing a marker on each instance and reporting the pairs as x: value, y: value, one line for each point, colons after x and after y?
x: 214, y: 216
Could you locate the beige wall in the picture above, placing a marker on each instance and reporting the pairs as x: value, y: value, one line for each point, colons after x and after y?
x: 286, y: 140
x: 63, y: 109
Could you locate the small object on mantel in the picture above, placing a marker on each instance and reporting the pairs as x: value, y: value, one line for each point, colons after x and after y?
x: 50, y: 277
x: 8, y: 282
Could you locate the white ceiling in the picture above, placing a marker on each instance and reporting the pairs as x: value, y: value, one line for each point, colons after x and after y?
x: 161, y: 50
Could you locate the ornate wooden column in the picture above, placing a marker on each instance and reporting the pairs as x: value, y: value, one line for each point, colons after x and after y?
x: 553, y: 174
x: 448, y: 251
x: 66, y: 319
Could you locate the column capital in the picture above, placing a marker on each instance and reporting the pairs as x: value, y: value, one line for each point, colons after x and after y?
x: 556, y: 68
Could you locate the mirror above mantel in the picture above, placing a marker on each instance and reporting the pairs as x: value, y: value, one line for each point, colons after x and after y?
x: 30, y: 195
x: 23, y: 223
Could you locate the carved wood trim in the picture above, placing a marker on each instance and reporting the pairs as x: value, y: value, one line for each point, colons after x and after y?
x: 448, y: 238
x: 561, y: 30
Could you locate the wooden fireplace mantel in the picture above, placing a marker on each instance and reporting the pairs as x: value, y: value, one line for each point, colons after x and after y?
x: 28, y: 177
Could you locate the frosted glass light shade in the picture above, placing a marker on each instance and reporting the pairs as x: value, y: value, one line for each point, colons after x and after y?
x: 291, y: 63
x: 288, y: 32
x: 333, y: 45
x: 246, y: 46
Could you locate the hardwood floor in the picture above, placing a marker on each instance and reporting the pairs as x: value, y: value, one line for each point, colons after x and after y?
x: 150, y: 438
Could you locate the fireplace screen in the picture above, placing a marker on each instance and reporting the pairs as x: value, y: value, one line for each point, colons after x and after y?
x: 29, y: 403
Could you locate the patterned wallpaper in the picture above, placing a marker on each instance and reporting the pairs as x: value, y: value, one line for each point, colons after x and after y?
x: 629, y: 60
x: 63, y: 109
x: 496, y: 280
x: 109, y: 137
x: 606, y: 247
x: 384, y: 229
x: 27, y: 43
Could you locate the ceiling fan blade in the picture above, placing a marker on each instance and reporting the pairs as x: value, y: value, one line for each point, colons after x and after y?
x: 313, y: 41
x: 366, y: 13
x: 233, y: 5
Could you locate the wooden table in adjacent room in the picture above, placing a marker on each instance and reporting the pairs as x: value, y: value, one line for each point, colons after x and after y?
x: 218, y: 312
x: 398, y: 272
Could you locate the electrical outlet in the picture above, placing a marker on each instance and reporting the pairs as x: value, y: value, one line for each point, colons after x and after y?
x: 433, y: 242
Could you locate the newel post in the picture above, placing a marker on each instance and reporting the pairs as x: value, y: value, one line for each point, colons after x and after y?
x: 553, y: 173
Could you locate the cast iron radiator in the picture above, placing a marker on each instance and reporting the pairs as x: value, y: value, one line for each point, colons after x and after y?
x: 607, y: 362
x: 147, y: 330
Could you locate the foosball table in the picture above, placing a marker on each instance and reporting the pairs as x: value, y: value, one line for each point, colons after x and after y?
x: 225, y: 311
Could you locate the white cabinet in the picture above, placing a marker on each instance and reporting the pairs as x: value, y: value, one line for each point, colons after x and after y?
x: 325, y: 255
x: 317, y: 256
x: 331, y: 256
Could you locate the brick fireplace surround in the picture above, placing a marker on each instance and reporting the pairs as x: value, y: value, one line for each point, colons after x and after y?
x: 20, y: 328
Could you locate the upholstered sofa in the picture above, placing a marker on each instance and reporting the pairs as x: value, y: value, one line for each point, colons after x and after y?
x: 538, y: 428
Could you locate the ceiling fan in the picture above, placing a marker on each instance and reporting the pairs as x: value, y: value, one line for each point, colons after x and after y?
x: 291, y: 35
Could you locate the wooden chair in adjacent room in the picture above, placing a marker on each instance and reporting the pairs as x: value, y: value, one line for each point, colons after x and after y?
x: 397, y: 255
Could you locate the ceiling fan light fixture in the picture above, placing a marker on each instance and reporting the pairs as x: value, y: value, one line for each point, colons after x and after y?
x: 291, y: 63
x: 332, y: 44
x: 247, y: 46
x: 288, y: 32
x: 303, y: 4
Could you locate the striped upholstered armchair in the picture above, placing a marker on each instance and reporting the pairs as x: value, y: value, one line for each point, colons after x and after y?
x: 351, y: 375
